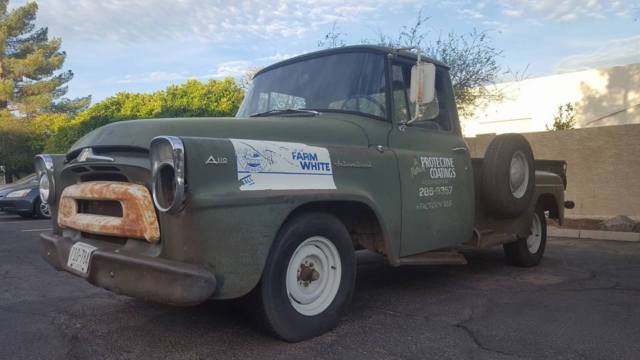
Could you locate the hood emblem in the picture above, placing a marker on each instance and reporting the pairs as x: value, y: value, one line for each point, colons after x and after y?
x: 216, y: 160
x: 87, y: 155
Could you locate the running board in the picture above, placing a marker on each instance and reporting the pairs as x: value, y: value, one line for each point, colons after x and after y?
x: 434, y: 258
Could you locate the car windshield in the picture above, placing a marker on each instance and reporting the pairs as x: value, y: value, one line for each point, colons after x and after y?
x: 349, y: 82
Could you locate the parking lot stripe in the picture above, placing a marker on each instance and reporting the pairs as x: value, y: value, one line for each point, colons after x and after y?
x: 37, y: 230
x: 22, y: 222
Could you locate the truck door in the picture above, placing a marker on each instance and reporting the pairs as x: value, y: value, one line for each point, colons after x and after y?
x: 434, y: 165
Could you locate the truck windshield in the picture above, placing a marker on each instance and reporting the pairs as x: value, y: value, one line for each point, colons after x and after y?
x: 349, y: 82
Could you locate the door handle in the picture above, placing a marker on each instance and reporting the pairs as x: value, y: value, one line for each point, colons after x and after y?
x: 461, y: 149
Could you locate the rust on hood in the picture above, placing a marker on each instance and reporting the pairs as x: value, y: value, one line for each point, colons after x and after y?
x: 138, y: 218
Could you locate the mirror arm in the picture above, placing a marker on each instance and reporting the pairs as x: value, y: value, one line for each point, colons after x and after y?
x: 415, y: 114
x: 417, y: 110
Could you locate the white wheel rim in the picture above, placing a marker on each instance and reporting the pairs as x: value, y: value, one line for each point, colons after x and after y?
x: 535, y: 239
x: 313, y: 275
x: 44, y: 209
x: 518, y: 174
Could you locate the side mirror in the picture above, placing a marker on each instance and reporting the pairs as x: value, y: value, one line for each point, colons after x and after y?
x: 423, y: 83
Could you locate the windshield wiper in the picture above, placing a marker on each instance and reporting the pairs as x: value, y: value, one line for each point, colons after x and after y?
x: 286, y: 111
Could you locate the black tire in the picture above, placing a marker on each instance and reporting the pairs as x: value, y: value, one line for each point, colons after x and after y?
x: 496, y: 175
x: 271, y: 297
x: 518, y: 253
x: 38, y: 212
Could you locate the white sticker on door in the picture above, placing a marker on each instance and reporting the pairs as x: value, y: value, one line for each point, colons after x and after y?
x: 274, y: 165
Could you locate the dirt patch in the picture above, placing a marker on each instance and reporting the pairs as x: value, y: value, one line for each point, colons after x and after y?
x: 587, y: 224
x: 582, y: 224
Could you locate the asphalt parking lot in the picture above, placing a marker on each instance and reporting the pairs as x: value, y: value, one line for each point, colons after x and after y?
x: 582, y: 302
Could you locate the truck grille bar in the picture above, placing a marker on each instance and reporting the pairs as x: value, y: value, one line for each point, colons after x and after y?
x: 138, y: 218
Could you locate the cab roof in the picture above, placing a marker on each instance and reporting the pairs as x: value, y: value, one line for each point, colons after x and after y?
x: 350, y: 49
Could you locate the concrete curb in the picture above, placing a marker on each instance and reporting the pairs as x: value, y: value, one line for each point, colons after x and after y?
x: 593, y: 234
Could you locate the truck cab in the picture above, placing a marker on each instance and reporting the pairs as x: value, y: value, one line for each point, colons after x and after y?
x: 343, y: 149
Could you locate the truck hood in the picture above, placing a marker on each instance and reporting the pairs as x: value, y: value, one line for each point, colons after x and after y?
x: 326, y: 129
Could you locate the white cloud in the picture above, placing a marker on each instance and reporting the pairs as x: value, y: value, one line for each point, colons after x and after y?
x: 276, y: 57
x: 151, y: 77
x: 614, y: 52
x: 564, y: 10
x: 512, y: 12
x: 472, y: 14
x: 234, y: 68
x: 206, y: 20
x: 495, y: 25
x: 541, y: 10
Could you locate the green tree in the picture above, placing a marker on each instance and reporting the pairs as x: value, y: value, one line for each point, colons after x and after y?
x: 564, y: 119
x: 472, y: 58
x: 29, y: 61
x: 191, y: 99
x: 333, y: 38
x: 32, y: 106
x: 17, y: 146
x: 196, y: 98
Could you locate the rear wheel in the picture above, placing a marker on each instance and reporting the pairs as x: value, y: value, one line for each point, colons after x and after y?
x: 309, y: 278
x: 528, y: 251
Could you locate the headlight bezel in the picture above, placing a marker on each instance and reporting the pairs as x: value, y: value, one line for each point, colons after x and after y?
x: 168, y: 152
x: 44, y: 167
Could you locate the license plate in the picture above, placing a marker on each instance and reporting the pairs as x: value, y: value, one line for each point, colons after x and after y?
x: 80, y: 256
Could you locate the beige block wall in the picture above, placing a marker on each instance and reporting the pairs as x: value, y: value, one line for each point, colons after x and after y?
x: 603, y: 166
x: 601, y: 97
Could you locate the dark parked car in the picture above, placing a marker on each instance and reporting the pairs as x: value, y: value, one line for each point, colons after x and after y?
x: 23, y: 198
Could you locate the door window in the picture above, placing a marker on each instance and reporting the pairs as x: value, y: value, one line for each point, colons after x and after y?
x: 400, y: 91
x: 434, y: 115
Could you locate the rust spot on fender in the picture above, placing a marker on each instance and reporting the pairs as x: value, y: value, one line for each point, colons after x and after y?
x: 138, y: 219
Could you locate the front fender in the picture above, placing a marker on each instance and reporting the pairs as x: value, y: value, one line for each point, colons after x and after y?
x: 231, y: 231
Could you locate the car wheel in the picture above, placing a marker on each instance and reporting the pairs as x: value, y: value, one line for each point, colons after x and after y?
x: 308, y: 279
x: 41, y: 210
x: 528, y: 251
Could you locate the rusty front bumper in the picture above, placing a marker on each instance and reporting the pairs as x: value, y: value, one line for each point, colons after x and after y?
x: 148, y: 278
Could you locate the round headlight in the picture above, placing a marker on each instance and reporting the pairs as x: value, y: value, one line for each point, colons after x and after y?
x: 44, y: 188
x: 165, y: 187
x: 168, y: 173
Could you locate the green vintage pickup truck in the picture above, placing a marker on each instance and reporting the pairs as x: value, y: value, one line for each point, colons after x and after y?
x: 331, y: 152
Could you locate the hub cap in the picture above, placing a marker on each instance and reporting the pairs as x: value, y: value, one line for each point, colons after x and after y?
x: 535, y: 239
x: 44, y: 210
x: 518, y: 174
x: 313, y: 275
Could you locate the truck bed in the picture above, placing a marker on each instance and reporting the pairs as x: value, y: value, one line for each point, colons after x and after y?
x: 558, y: 167
x: 495, y: 230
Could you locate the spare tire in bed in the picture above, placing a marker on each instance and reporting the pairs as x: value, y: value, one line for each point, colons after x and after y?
x: 508, y: 175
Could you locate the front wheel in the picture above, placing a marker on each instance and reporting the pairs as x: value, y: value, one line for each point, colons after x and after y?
x: 309, y: 278
x: 41, y: 210
x: 528, y: 251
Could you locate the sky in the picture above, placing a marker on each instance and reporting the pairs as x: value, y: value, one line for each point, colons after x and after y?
x: 145, y: 45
